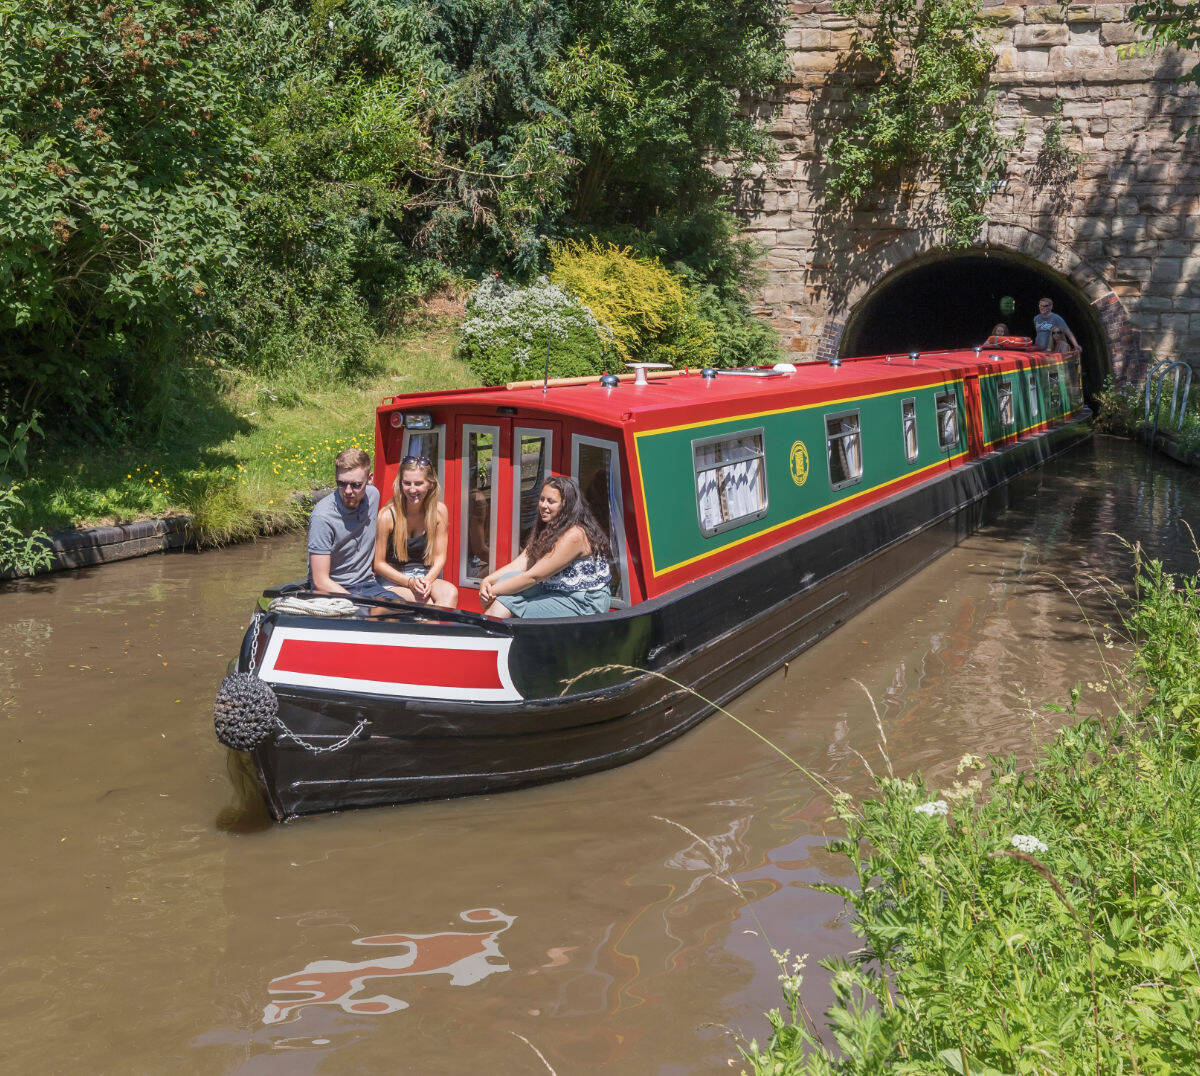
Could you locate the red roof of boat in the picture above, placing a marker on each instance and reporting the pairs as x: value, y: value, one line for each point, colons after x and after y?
x: 653, y: 404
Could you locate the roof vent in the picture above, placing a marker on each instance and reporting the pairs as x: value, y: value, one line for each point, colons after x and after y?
x: 610, y: 381
x: 708, y: 373
x: 835, y: 361
x: 913, y: 356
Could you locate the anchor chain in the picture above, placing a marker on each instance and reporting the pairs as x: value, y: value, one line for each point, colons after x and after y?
x: 247, y: 710
x: 287, y: 734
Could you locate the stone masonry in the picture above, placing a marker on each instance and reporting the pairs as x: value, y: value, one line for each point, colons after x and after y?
x: 1116, y: 217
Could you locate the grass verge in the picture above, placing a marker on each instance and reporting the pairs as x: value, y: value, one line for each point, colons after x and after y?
x: 1047, y: 921
x: 234, y: 448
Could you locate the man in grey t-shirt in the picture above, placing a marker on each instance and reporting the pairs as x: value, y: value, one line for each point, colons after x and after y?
x: 1044, y: 324
x: 341, y: 532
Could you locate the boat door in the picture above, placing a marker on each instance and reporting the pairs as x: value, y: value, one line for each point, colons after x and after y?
x: 502, y: 463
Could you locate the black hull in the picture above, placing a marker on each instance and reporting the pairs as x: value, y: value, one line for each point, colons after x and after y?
x: 717, y: 637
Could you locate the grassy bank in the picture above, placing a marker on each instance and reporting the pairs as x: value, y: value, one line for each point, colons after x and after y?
x: 233, y: 449
x: 1036, y: 921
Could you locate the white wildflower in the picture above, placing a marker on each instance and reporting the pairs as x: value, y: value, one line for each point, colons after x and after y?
x: 1023, y: 842
x: 969, y: 762
x: 933, y: 807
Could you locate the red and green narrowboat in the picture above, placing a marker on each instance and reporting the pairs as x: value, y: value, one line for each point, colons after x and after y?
x: 750, y: 513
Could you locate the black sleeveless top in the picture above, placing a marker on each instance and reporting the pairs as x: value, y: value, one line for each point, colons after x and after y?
x: 416, y: 547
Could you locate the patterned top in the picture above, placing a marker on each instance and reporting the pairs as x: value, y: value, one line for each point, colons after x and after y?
x: 583, y: 573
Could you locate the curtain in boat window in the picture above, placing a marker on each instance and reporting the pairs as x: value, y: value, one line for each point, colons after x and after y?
x: 730, y: 481
x: 844, y: 443
x: 947, y: 415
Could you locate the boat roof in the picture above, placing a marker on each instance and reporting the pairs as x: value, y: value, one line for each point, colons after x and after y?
x: 659, y: 401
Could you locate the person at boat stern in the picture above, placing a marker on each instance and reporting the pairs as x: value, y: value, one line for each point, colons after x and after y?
x: 411, y: 537
x: 341, y: 532
x: 1044, y: 324
x: 563, y: 569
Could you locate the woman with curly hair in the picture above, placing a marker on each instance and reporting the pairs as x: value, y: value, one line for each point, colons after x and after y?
x: 563, y: 569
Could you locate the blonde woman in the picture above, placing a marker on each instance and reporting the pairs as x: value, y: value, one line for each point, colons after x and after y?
x: 410, y: 539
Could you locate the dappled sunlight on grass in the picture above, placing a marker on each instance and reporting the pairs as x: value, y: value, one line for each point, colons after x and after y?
x: 234, y: 452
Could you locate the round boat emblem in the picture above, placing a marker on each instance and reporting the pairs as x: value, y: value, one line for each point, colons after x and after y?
x: 799, y: 463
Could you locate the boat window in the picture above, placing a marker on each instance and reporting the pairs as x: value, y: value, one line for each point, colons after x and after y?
x: 947, y: 419
x: 532, y: 452
x: 1033, y: 398
x: 908, y: 412
x: 731, y: 480
x: 432, y: 445
x: 1004, y: 395
x: 478, y: 555
x: 595, y: 465
x: 1056, y: 396
x: 844, y: 443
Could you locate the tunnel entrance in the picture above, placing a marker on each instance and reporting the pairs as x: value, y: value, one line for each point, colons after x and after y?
x: 953, y: 300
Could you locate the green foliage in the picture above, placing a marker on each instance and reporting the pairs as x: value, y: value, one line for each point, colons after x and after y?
x: 653, y: 90
x: 1168, y: 24
x: 119, y: 168
x: 650, y: 312
x: 15, y: 440
x: 20, y: 553
x: 1119, y: 408
x: 196, y: 188
x: 1049, y: 924
x: 511, y: 332
x: 924, y: 106
x: 738, y: 338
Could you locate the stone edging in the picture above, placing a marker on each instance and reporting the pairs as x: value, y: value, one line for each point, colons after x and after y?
x: 92, y: 546
x: 1165, y: 443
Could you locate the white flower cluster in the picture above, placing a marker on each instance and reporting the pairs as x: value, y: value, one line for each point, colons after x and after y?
x: 933, y: 807
x: 500, y: 315
x: 1022, y: 842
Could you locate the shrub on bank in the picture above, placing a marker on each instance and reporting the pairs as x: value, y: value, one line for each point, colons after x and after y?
x: 509, y: 329
x: 651, y: 313
x: 1051, y: 924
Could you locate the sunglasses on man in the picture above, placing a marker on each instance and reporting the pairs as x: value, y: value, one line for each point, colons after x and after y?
x: 348, y: 485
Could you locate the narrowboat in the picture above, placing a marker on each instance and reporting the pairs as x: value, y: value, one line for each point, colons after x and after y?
x: 750, y: 513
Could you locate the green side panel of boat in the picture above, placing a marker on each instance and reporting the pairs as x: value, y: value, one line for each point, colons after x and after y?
x: 797, y: 466
x: 1027, y: 385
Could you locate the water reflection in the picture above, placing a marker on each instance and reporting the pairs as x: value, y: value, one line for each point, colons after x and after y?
x: 465, y: 957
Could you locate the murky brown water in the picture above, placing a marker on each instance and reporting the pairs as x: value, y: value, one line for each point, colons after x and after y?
x: 142, y: 934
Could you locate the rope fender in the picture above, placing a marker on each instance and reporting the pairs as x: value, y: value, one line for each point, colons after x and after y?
x: 245, y: 712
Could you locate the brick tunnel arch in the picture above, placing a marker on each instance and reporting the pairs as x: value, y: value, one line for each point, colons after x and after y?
x: 943, y: 298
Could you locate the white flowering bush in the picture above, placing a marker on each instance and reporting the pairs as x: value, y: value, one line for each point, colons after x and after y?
x: 508, y: 329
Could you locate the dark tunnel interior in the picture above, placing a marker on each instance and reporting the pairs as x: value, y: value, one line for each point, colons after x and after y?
x: 954, y: 302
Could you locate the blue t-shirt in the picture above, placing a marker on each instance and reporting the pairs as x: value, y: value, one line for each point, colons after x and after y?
x: 1043, y: 324
x: 348, y: 537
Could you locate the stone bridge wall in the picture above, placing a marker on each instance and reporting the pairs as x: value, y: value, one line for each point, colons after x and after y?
x: 1121, y: 223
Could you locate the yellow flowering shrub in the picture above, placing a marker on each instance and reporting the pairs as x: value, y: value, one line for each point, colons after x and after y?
x: 651, y: 312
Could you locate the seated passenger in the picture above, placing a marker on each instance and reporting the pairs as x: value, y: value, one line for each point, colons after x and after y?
x: 411, y: 538
x: 998, y: 330
x: 341, y: 532
x: 563, y: 569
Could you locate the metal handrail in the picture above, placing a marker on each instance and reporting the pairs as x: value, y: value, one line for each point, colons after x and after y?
x: 1155, y: 378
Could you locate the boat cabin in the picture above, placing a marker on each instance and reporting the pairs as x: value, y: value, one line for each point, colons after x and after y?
x: 694, y: 471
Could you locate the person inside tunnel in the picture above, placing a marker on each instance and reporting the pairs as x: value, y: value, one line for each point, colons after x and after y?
x: 945, y: 301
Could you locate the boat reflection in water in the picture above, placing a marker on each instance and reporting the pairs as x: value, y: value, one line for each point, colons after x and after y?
x: 465, y: 956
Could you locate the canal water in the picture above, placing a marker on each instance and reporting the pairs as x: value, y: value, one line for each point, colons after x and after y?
x: 152, y: 924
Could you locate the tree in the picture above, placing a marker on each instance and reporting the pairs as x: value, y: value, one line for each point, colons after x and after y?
x: 120, y: 164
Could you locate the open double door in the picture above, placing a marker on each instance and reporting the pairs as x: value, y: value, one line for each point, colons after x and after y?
x: 493, y: 469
